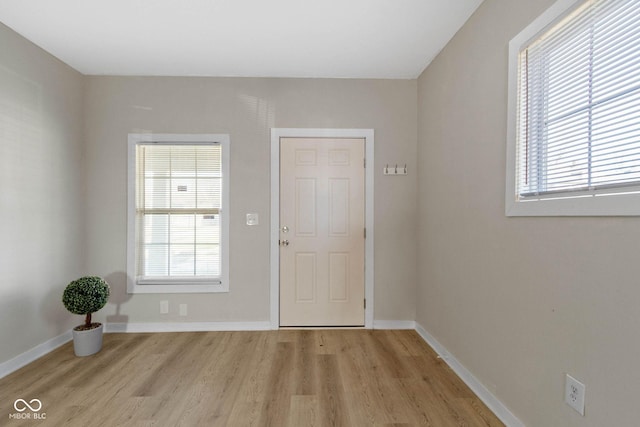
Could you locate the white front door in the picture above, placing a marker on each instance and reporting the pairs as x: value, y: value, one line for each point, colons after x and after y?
x: 322, y: 231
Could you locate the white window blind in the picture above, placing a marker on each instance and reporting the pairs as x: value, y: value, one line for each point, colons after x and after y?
x: 178, y: 206
x: 578, y: 118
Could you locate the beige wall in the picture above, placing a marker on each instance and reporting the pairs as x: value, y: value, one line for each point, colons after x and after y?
x: 247, y: 109
x: 519, y: 301
x: 41, y: 193
x: 63, y: 183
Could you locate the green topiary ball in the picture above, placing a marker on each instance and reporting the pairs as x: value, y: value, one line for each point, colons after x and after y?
x: 86, y: 295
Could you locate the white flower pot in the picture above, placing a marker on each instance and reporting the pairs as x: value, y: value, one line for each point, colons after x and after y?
x: 86, y: 343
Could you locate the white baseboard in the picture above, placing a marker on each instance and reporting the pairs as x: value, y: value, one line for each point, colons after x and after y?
x: 36, y: 352
x: 187, y: 327
x: 472, y: 382
x: 394, y: 324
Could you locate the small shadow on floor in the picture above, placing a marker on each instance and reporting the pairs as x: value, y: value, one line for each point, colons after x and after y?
x: 118, y: 283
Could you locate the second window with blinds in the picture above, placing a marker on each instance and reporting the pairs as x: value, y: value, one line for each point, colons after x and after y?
x: 574, y: 111
x: 178, y: 213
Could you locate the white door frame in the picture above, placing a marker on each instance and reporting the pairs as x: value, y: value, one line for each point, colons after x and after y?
x: 276, y: 134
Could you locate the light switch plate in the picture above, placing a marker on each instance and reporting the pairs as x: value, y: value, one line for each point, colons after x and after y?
x: 253, y: 219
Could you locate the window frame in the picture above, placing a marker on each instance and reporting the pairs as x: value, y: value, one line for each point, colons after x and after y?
x: 625, y: 202
x: 167, y: 286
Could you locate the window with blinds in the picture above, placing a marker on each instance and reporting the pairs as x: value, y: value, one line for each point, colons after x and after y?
x: 578, y: 104
x: 177, y: 213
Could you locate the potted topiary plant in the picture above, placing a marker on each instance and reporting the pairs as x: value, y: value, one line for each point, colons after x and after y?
x: 86, y: 296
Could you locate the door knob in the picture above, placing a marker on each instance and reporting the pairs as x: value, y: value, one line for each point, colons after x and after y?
x: 284, y: 243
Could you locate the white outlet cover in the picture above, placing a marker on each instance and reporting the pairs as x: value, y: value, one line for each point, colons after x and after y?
x: 574, y: 394
x: 253, y: 219
x: 164, y: 307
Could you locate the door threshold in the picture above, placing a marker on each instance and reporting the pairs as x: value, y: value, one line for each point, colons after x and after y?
x: 320, y: 327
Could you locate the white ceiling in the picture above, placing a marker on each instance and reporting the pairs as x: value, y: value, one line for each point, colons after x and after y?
x: 391, y: 39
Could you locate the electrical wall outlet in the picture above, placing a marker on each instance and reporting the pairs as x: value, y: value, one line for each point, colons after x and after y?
x: 183, y: 309
x: 164, y: 307
x: 574, y: 394
x: 253, y: 219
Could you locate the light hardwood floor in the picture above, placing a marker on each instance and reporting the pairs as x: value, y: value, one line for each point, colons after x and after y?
x: 269, y: 378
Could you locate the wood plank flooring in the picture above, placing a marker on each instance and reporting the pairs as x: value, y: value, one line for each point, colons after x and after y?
x: 285, y: 378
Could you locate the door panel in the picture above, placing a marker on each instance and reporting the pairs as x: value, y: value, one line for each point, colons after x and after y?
x: 338, y: 277
x: 305, y: 279
x: 339, y: 207
x: 322, y: 232
x: 305, y: 207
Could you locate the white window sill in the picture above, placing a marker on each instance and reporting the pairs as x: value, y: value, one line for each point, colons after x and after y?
x: 624, y: 204
x: 186, y: 288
